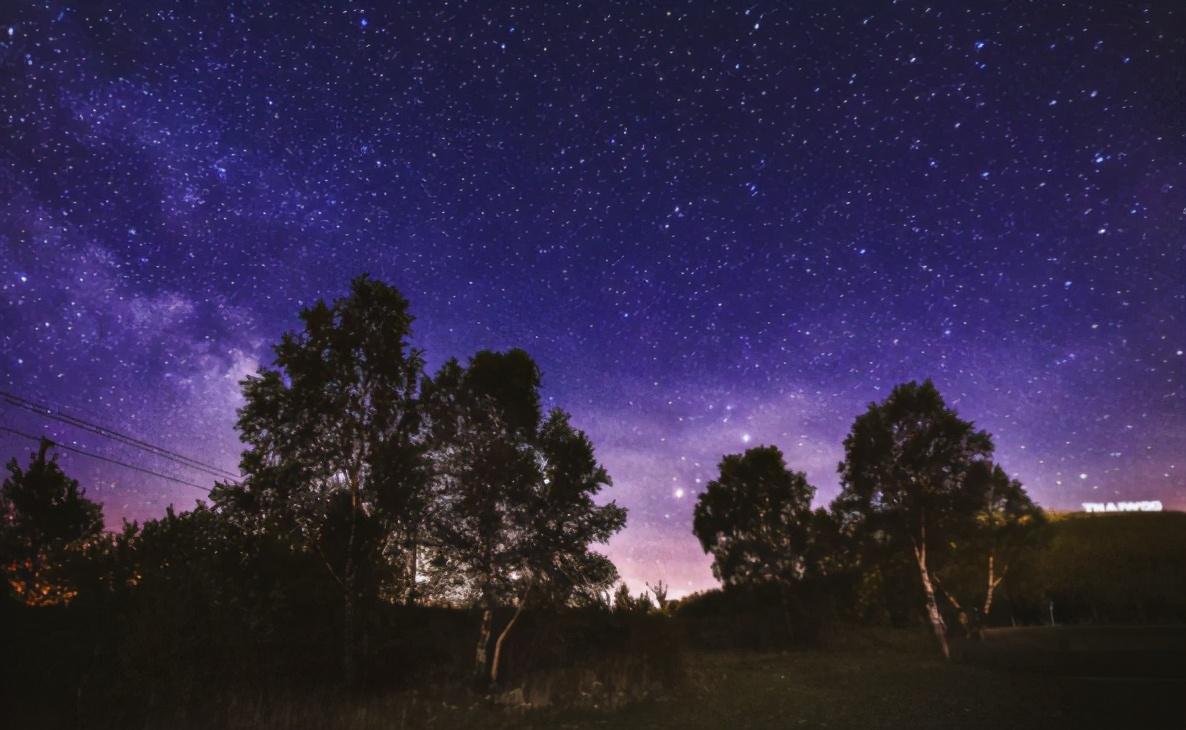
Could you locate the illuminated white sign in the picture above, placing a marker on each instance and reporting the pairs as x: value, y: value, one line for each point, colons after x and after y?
x: 1150, y: 506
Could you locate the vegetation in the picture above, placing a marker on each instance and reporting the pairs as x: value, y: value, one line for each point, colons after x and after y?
x: 753, y: 519
x: 47, y: 525
x: 515, y: 512
x: 334, y: 463
x: 1102, y: 568
x: 905, y: 479
x: 423, y: 545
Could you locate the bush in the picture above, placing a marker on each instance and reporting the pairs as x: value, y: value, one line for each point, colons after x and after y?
x: 1105, y: 568
x: 758, y: 617
x: 181, y: 652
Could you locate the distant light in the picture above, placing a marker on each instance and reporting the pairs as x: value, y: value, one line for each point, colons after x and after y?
x: 363, y: 22
x: 1082, y: 476
x: 1152, y: 505
x: 679, y: 493
x: 745, y: 437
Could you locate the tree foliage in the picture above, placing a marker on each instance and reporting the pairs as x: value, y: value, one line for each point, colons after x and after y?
x: 46, y: 526
x: 333, y: 455
x: 1006, y: 526
x: 515, y: 511
x: 905, y: 475
x: 754, y: 519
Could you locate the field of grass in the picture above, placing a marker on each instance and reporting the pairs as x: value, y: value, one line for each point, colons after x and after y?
x: 864, y: 679
x: 896, y: 682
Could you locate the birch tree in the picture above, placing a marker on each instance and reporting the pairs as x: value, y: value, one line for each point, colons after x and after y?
x: 1005, y: 525
x: 516, y: 513
x: 333, y: 441
x: 906, y: 464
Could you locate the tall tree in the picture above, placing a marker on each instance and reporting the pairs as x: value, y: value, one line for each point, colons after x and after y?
x: 46, y: 525
x: 1006, y: 524
x: 514, y: 491
x: 754, y: 518
x: 906, y: 464
x: 334, y: 443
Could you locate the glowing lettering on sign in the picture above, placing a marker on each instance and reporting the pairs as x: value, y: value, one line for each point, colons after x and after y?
x: 1149, y: 506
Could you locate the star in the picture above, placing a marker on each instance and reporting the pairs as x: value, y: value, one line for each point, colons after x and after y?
x: 760, y: 233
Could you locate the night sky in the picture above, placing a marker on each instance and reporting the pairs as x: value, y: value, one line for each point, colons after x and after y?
x: 713, y: 226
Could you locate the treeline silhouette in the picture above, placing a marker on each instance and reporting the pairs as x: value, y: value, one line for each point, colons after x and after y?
x: 396, y: 529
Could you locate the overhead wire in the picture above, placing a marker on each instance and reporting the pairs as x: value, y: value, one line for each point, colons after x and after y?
x: 108, y: 459
x: 159, y: 451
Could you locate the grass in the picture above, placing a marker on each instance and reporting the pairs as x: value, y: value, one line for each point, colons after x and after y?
x: 864, y: 679
x: 890, y: 689
x: 895, y: 679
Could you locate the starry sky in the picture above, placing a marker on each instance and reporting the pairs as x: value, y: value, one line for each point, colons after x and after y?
x: 713, y: 225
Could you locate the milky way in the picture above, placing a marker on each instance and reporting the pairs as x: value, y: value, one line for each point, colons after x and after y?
x: 712, y: 225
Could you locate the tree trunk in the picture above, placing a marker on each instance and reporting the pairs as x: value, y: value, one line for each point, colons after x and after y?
x: 494, y: 663
x: 348, y: 610
x: 483, y: 641
x: 348, y: 667
x: 994, y: 580
x: 936, y: 619
x: 410, y: 598
x: 349, y: 589
x: 788, y: 624
x: 961, y: 614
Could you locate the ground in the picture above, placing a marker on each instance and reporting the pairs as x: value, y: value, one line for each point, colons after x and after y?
x: 1020, y: 678
x: 895, y: 689
x: 1023, y: 678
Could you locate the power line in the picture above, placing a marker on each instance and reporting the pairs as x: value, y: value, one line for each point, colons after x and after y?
x: 108, y: 459
x: 160, y: 451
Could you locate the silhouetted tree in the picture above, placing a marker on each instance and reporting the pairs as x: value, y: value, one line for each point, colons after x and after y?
x: 659, y: 591
x: 565, y: 520
x: 210, y: 600
x: 879, y: 563
x: 627, y: 602
x: 515, y: 512
x: 1005, y: 525
x: 46, y: 526
x: 754, y: 518
x: 1010, y: 522
x: 907, y: 461
x: 334, y: 445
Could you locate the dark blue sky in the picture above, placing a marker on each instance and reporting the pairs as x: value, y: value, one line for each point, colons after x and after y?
x: 712, y: 224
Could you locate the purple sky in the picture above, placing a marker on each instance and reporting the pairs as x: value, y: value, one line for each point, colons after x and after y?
x: 713, y: 225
